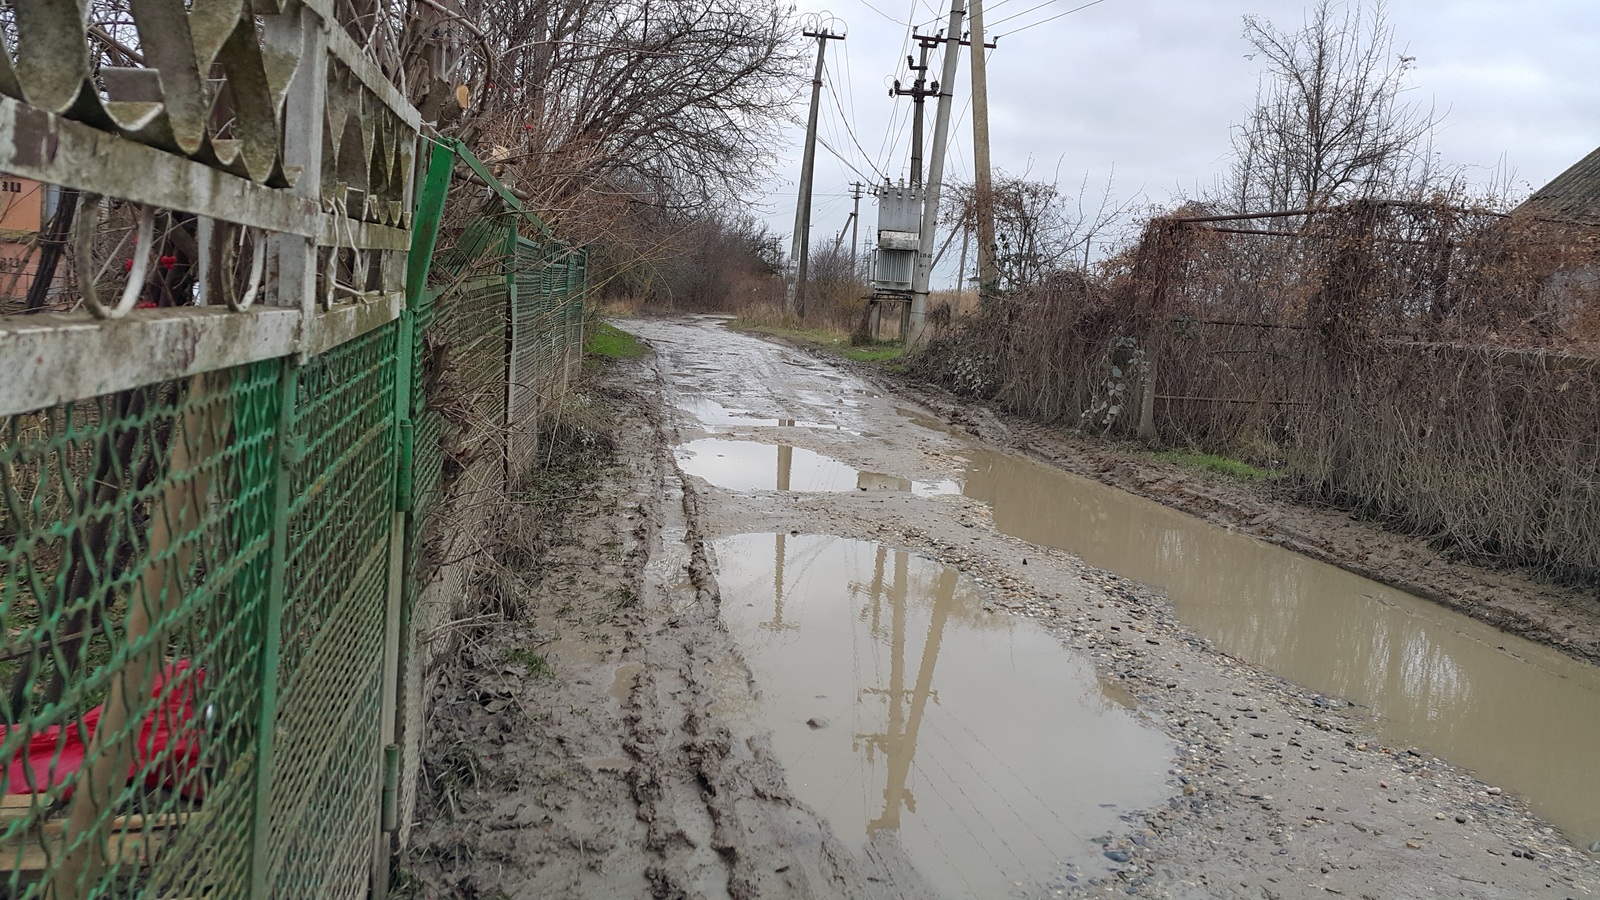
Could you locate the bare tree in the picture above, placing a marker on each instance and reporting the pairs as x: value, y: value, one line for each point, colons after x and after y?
x: 1039, y: 229
x: 672, y: 102
x: 625, y: 123
x: 1330, y: 122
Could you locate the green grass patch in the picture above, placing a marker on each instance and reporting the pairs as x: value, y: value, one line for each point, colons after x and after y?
x: 610, y: 342
x: 1227, y: 467
x: 538, y: 666
x: 886, y: 354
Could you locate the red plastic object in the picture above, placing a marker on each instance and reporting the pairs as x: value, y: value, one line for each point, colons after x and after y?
x: 166, y: 752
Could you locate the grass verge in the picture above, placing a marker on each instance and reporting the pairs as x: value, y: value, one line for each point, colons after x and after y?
x: 609, y: 342
x: 887, y: 355
x: 1227, y: 467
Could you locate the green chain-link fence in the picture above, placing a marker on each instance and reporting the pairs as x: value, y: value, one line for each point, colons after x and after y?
x: 221, y: 593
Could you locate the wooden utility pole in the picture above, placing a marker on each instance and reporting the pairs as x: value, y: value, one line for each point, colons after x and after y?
x: 930, y: 206
x: 794, y: 299
x: 982, y: 187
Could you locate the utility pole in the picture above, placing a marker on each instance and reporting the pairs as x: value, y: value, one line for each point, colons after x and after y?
x: 794, y: 299
x: 982, y: 186
x: 918, y: 91
x: 856, y: 188
x: 961, y: 273
x: 918, y: 318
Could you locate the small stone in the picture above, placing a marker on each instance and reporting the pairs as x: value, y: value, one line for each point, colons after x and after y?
x: 1118, y: 856
x: 817, y: 722
x: 1439, y: 816
x: 1461, y: 819
x: 1414, y: 845
x: 1493, y: 792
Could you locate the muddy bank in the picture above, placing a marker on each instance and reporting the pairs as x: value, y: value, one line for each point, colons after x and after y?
x: 1560, y: 616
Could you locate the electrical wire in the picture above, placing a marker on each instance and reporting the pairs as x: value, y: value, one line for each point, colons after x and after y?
x: 841, y: 157
x: 887, y: 16
x: 1043, y: 21
x: 849, y: 79
x: 845, y: 119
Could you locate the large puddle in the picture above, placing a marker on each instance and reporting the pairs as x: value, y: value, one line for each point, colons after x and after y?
x: 1518, y: 714
x: 906, y: 715
x: 752, y: 466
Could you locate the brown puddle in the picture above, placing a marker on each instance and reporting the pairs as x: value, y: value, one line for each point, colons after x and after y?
x: 752, y: 466
x: 909, y: 718
x: 713, y: 416
x: 1516, y: 713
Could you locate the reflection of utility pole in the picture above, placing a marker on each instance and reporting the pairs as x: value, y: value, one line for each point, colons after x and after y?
x: 794, y: 300
x: 899, y: 741
x: 777, y: 623
x: 875, y: 592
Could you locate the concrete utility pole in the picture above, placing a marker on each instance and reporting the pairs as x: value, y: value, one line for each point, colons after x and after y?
x: 918, y: 319
x: 982, y: 188
x: 794, y: 299
x: 856, y: 188
x: 918, y: 91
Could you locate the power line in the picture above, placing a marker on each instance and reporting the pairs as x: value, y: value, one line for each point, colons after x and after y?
x: 887, y: 16
x: 849, y: 82
x: 844, y: 117
x: 840, y: 156
x: 1043, y: 21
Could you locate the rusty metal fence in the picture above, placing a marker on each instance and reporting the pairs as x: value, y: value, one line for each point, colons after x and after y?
x: 228, y: 455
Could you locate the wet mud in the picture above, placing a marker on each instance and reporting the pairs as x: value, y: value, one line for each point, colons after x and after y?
x: 834, y: 683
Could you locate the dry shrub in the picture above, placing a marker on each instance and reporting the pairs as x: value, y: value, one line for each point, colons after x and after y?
x: 1429, y: 365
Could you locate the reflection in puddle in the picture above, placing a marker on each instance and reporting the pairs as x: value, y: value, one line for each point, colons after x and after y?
x: 1518, y: 714
x: 878, y: 481
x: 905, y: 714
x: 710, y: 412
x: 751, y: 466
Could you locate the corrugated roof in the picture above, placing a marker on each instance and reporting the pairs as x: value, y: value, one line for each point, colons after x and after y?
x: 1574, y: 194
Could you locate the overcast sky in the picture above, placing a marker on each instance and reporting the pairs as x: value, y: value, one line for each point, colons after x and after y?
x: 1150, y: 88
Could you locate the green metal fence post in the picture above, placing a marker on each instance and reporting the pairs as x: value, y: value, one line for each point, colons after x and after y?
x: 424, y: 237
x: 289, y: 450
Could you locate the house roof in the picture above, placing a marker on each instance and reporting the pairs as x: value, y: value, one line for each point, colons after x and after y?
x: 1574, y: 194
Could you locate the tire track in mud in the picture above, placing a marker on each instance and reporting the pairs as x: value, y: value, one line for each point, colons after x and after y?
x: 604, y: 770
x: 698, y: 787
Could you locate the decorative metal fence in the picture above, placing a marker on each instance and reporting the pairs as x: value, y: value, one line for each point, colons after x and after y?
x: 226, y: 466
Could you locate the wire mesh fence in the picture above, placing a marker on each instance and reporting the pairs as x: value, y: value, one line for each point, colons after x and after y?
x: 221, y: 592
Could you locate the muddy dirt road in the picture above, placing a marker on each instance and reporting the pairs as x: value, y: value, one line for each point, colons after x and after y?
x: 805, y: 640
